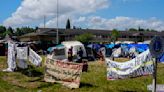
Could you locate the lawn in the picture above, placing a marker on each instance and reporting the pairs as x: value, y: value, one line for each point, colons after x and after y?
x: 92, y: 81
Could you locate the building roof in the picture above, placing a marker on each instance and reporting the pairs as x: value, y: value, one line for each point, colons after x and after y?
x: 52, y: 31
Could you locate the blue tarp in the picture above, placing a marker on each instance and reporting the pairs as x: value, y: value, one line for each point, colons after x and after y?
x: 112, y: 45
x: 139, y: 47
x: 95, y: 46
x: 161, y: 59
x: 109, y: 45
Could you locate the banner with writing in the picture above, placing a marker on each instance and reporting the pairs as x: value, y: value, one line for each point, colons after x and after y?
x: 139, y: 66
x: 22, y: 52
x: 66, y: 73
x: 11, y: 56
x: 34, y: 58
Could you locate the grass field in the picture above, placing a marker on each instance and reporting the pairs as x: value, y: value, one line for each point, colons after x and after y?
x: 92, y: 81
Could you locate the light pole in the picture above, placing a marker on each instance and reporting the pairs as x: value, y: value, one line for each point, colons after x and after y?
x: 57, y: 33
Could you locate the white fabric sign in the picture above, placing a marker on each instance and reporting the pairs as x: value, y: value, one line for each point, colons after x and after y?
x: 22, y: 64
x: 22, y: 52
x: 11, y: 56
x: 139, y: 66
x: 34, y: 58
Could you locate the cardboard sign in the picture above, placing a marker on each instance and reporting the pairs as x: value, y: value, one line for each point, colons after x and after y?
x: 66, y: 73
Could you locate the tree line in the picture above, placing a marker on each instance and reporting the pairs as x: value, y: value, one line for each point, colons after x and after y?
x: 15, y: 32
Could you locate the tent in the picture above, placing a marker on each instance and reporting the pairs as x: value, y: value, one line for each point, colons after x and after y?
x: 109, y: 45
x: 161, y: 59
x: 61, y: 51
x: 139, y: 47
x: 76, y: 46
x: 95, y: 46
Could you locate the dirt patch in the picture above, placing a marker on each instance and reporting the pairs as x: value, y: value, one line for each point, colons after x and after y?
x: 22, y: 81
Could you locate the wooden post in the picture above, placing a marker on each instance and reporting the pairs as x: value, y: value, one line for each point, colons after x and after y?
x: 154, y: 75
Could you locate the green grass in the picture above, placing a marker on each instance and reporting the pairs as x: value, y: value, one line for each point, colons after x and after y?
x: 92, y: 81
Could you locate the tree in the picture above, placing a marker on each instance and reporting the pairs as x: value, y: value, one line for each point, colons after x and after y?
x: 133, y: 29
x: 84, y: 38
x: 2, y: 31
x: 140, y: 29
x: 68, y: 25
x: 23, y: 30
x: 9, y: 31
x: 115, y: 34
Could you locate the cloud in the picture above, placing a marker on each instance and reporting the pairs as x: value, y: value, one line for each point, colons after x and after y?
x: 121, y: 22
x: 31, y: 11
x: 78, y: 11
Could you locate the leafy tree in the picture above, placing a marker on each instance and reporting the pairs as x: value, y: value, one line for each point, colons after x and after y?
x: 9, y: 31
x: 23, y: 30
x: 115, y: 34
x: 2, y: 31
x: 84, y: 38
x: 141, y: 29
x: 68, y: 25
x: 133, y: 29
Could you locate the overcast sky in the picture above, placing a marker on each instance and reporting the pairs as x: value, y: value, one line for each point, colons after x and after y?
x: 100, y: 14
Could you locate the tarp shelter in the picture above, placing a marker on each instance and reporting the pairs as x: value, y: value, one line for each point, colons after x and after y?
x: 94, y: 46
x: 109, y: 46
x: 60, y: 46
x: 117, y: 52
x: 161, y: 59
x: 127, y: 42
x: 57, y: 52
x: 139, y: 47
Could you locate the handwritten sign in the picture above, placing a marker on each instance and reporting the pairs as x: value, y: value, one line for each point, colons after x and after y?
x: 34, y: 58
x: 11, y: 56
x: 66, y: 73
x: 22, y: 52
x: 139, y: 66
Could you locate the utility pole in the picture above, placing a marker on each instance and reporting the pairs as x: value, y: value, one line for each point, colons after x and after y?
x: 57, y: 33
x: 44, y: 21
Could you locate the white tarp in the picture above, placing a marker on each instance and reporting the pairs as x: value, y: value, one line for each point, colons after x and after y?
x: 34, y: 58
x: 139, y: 66
x: 22, y: 52
x: 117, y: 52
